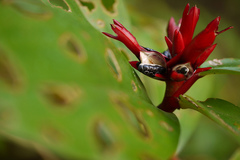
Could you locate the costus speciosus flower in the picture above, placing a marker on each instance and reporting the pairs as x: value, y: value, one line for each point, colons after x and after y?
x: 179, y: 65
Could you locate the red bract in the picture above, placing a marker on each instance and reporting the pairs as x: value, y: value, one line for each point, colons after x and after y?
x: 124, y: 36
x: 179, y: 65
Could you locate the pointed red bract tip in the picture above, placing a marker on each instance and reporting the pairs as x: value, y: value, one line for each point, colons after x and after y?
x: 134, y: 64
x: 203, y: 57
x: 117, y: 23
x: 213, y: 25
x: 178, y: 43
x: 171, y: 28
x: 185, y: 12
x: 224, y: 30
x: 189, y: 22
x: 125, y: 37
x: 201, y: 42
x: 110, y: 35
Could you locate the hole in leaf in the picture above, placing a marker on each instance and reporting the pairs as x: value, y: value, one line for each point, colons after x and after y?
x: 73, y: 47
x: 103, y: 135
x: 8, y: 73
x: 61, y: 4
x: 215, y: 62
x: 109, y: 5
x: 100, y: 23
x: 61, y: 95
x: 131, y: 116
x: 134, y: 86
x: 114, y: 66
x: 125, y: 53
x: 166, y: 126
x: 150, y: 113
x: 31, y: 8
x: 89, y: 5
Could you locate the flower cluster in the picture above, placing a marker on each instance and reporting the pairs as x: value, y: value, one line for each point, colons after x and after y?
x: 179, y: 65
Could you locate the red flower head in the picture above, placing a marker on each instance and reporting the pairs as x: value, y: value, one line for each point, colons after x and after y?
x: 179, y: 65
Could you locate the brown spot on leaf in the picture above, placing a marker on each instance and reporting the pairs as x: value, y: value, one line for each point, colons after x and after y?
x: 61, y: 95
x: 113, y: 64
x: 166, y: 126
x: 209, y: 106
x: 100, y: 23
x: 189, y: 100
x: 73, y: 47
x: 134, y: 86
x: 103, y: 136
x: 150, y: 113
x: 60, y: 4
x: 125, y: 53
x: 9, y: 72
x: 215, y: 62
x: 130, y: 115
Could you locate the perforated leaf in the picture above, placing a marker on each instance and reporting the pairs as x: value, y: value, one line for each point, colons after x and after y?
x: 222, y: 112
x: 222, y: 66
x: 68, y: 90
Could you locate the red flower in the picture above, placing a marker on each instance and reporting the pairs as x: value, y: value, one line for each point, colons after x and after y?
x: 179, y: 65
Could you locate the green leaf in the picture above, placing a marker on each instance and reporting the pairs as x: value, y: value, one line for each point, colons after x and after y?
x: 67, y: 89
x: 101, y: 12
x: 222, y: 66
x: 222, y: 112
x: 236, y: 155
x: 208, y: 140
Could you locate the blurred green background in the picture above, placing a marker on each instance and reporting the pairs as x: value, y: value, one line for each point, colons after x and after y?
x: 200, y: 137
